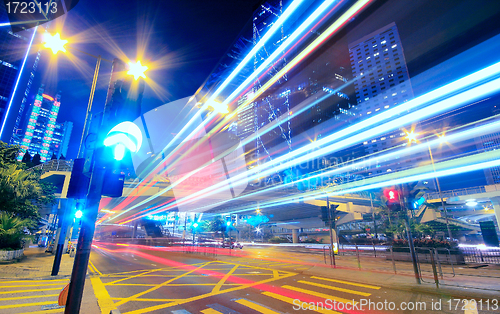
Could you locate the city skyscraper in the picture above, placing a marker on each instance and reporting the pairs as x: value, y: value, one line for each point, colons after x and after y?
x: 40, y: 125
x: 14, y: 58
x: 60, y: 139
x: 381, y: 78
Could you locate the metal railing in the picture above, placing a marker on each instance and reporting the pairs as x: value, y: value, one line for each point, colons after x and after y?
x: 458, y: 192
x: 480, y: 255
x: 55, y: 165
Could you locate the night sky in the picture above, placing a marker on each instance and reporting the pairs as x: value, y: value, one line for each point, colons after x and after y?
x: 187, y: 39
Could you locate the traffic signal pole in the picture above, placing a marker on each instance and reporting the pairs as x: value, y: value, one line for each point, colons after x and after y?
x: 77, y: 281
x: 410, y: 237
x: 332, y: 252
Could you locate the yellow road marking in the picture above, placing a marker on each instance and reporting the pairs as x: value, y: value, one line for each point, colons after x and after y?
x: 45, y: 284
x: 347, y: 283
x: 302, y: 268
x: 97, y: 270
x: 210, y: 311
x: 11, y: 306
x: 134, y: 276
x: 21, y: 281
x: 199, y: 297
x: 293, y: 302
x: 276, y: 274
x: 223, y: 280
x: 135, y: 296
x: 103, y: 299
x: 320, y: 295
x: 46, y: 311
x: 256, y: 307
x: 30, y: 297
x: 31, y: 290
x: 150, y: 300
x: 335, y: 288
x: 294, y: 265
x: 173, y: 284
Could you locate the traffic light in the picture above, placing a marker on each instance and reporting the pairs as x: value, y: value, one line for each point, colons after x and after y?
x: 330, y: 216
x: 124, y: 136
x: 234, y: 219
x: 78, y: 214
x: 415, y: 195
x: 393, y: 199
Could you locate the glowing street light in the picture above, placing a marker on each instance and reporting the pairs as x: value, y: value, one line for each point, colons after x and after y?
x: 54, y: 42
x: 411, y: 137
x: 218, y: 107
x: 258, y: 210
x: 137, y: 70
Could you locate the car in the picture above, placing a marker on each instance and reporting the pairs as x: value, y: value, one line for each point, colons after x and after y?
x: 234, y: 245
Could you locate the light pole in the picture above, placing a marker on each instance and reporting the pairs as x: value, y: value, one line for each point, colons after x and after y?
x: 413, y: 137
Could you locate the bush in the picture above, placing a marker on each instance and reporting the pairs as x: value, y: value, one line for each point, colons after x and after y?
x: 11, y: 231
x: 427, y: 243
x: 312, y: 240
x: 278, y: 240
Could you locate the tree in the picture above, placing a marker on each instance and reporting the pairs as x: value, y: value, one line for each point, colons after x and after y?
x: 62, y: 157
x: 54, y: 157
x: 27, y: 158
x: 37, y: 159
x: 22, y: 193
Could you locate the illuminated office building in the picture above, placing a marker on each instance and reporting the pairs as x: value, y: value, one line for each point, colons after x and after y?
x: 60, y: 139
x: 40, y: 125
x: 15, y: 80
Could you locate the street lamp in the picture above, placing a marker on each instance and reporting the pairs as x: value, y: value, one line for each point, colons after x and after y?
x: 137, y: 70
x: 413, y: 138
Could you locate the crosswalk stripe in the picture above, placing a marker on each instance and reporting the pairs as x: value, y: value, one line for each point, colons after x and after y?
x: 293, y: 302
x: 44, y: 284
x: 255, y: 306
x: 319, y: 294
x: 10, y: 306
x: 365, y: 294
x: 29, y: 297
x: 31, y: 290
x: 210, y: 311
x: 347, y: 283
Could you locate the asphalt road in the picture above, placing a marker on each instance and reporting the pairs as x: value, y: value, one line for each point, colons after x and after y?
x: 151, y: 280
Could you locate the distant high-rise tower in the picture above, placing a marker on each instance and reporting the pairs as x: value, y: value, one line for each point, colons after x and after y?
x: 60, y: 140
x: 14, y: 54
x: 41, y: 125
x: 381, y: 77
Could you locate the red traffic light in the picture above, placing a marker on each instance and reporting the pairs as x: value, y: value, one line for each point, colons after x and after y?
x: 392, y: 195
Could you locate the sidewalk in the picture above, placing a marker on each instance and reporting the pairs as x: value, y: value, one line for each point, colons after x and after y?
x: 26, y: 285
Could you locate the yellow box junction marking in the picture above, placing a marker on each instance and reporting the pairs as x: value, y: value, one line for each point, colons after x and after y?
x: 103, y: 299
x: 10, y: 306
x: 29, y: 297
x: 347, y: 283
x: 256, y: 307
x: 202, y: 296
x: 223, y: 280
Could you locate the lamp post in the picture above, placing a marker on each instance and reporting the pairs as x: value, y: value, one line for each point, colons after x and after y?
x: 413, y: 138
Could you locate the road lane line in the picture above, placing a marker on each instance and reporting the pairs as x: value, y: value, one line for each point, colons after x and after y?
x: 319, y: 294
x: 97, y: 270
x: 223, y: 280
x: 256, y: 307
x: 347, y: 283
x: 291, y: 301
x: 30, y: 297
x: 103, y: 299
x: 365, y: 294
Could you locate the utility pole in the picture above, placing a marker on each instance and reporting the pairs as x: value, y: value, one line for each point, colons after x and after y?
x: 330, y: 225
x: 373, y: 215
